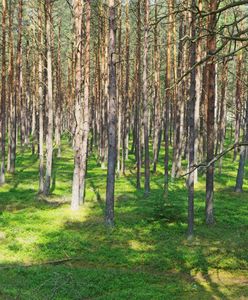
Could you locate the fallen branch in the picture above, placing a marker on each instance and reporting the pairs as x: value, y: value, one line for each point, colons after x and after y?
x: 216, y: 158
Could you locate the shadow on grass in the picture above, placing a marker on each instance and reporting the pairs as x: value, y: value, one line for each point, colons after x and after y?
x: 146, y: 255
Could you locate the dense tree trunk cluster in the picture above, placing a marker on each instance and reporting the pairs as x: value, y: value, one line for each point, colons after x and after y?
x: 160, y: 81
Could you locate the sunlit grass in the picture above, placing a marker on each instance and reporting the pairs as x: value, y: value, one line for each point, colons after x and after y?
x: 146, y: 255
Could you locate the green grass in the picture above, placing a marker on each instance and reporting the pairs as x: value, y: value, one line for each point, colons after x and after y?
x: 145, y: 256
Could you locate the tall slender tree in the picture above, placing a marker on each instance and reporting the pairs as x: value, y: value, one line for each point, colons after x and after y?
x: 112, y: 118
x: 41, y: 100
x: 85, y: 103
x: 191, y: 179
x: 49, y: 137
x: 3, y: 93
x: 145, y: 97
x: 211, y: 47
x: 77, y: 8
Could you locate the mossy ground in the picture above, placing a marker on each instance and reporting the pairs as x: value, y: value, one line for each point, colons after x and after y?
x: 145, y: 256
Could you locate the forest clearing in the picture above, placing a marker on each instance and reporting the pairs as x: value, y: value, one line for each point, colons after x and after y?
x: 123, y: 149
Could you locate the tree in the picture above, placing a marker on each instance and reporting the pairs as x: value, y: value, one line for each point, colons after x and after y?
x: 191, y: 179
x: 168, y: 98
x: 112, y: 118
x: 3, y: 93
x: 77, y: 8
x: 49, y: 138
x: 211, y: 48
x: 145, y: 100
x: 85, y: 103
x: 41, y: 100
x: 242, y: 156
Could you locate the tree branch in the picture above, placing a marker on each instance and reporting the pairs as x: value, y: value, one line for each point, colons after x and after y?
x: 216, y: 158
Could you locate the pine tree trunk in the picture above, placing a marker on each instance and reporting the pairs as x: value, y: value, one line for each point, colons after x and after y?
x: 126, y: 95
x: 168, y: 98
x: 78, y: 107
x: 11, y: 97
x: 3, y: 93
x: 242, y: 157
x: 138, y: 98
x: 111, y: 118
x: 59, y: 96
x: 238, y: 103
x: 49, y: 139
x: 192, y: 133
x: 41, y: 103
x: 145, y: 98
x: 157, y: 98
x: 222, y: 120
x: 211, y: 46
x: 85, y: 104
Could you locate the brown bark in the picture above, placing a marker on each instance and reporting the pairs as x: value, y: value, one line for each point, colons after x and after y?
x: 112, y: 118
x: 78, y: 106
x: 126, y: 93
x: 11, y: 96
x: 49, y: 137
x: 222, y: 119
x: 192, y: 123
x: 211, y: 46
x: 41, y: 101
x: 157, y: 98
x: 179, y: 107
x: 3, y: 94
x: 59, y: 96
x: 145, y: 97
x: 238, y: 101
x: 86, y: 112
x: 168, y: 98
x: 138, y: 98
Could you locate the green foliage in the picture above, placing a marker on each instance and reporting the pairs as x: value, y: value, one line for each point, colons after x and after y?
x: 145, y: 256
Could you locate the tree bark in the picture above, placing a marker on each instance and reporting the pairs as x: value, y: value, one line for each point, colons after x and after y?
x: 168, y: 98
x: 112, y: 118
x: 211, y: 46
x: 242, y: 157
x: 85, y: 104
x: 222, y: 119
x: 126, y: 94
x: 3, y: 93
x: 78, y: 106
x: 145, y: 97
x: 41, y: 102
x: 238, y: 102
x: 192, y: 125
x: 49, y: 138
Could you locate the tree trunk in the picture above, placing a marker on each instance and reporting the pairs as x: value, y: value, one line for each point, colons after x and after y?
x: 41, y: 102
x: 78, y: 106
x: 211, y: 46
x: 222, y: 119
x: 126, y: 95
x: 138, y: 98
x: 111, y: 118
x: 3, y: 93
x: 85, y: 104
x: 192, y: 103
x: 238, y: 106
x: 157, y: 98
x: 168, y: 98
x: 242, y: 157
x: 145, y: 98
x: 49, y: 139
x: 59, y: 96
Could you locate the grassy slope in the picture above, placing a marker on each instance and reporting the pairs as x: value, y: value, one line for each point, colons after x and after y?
x: 146, y: 255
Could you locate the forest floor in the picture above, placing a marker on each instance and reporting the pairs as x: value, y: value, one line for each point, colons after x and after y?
x: 49, y: 252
